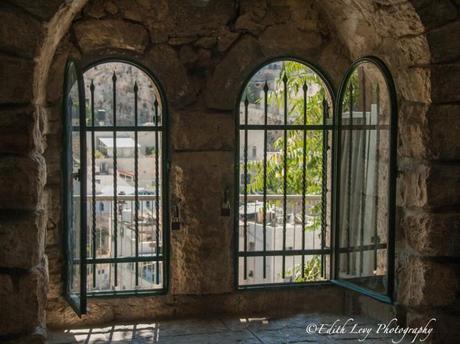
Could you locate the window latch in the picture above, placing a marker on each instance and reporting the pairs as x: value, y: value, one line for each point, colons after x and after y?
x: 225, y: 210
x: 77, y: 175
x: 175, y: 218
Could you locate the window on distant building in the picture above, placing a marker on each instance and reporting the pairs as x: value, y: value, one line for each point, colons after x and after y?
x: 321, y: 173
x: 116, y: 174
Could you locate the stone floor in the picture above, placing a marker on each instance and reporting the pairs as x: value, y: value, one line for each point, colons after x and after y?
x: 292, y: 329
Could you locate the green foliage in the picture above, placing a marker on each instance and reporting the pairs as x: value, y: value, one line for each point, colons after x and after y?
x: 312, y: 270
x: 297, y: 75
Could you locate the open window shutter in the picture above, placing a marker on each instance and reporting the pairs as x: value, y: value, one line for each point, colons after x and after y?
x: 365, y: 170
x: 75, y: 187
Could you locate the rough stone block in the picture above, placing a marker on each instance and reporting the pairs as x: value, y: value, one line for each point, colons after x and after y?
x: 95, y: 34
x: 199, y: 130
x: 423, y: 282
x: 21, y: 181
x: 413, y: 130
x: 19, y: 32
x: 433, y: 234
x: 18, y: 130
x: 163, y: 61
x: 430, y: 187
x: 23, y: 299
x: 287, y: 39
x: 444, y: 83
x: 16, y: 82
x: 444, y: 125
x: 443, y: 47
x: 197, y: 247
x: 22, y: 236
x: 437, y: 13
x: 44, y: 9
x: 224, y: 85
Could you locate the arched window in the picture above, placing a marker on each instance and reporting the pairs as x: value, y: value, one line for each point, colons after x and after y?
x: 366, y: 173
x: 284, y: 134
x: 316, y: 197
x: 119, y: 158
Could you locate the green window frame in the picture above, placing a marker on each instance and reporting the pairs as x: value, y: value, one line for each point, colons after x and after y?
x: 125, y: 219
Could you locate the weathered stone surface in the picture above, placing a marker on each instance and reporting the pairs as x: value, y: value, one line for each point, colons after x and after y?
x: 288, y: 40
x: 55, y: 84
x: 16, y: 82
x: 22, y: 239
x: 206, y: 42
x: 197, y: 246
x: 190, y: 17
x: 117, y: 34
x: 413, y: 84
x: 25, y: 30
x: 444, y: 126
x: 18, y: 130
x: 411, y: 186
x: 225, y: 38
x: 433, y: 186
x: 111, y: 7
x: 224, y: 85
x: 95, y: 9
x: 43, y: 9
x: 164, y: 63
x: 414, y: 139
x: 245, y: 23
x: 22, y: 180
x: 443, y: 47
x: 198, y: 130
x: 437, y: 13
x: 130, y: 10
x: 420, y: 277
x: 23, y: 298
x: 433, y: 234
x: 188, y: 55
x: 445, y: 80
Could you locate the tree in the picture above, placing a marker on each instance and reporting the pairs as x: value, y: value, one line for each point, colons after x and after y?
x: 297, y: 77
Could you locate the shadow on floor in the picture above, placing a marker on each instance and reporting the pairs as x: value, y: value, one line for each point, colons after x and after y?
x: 229, y: 331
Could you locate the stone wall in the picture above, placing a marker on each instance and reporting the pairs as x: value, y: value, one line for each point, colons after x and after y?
x: 202, y: 55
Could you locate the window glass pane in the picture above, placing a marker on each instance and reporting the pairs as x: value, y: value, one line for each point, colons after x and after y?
x: 125, y: 181
x: 283, y: 182
x: 364, y: 179
x: 75, y: 224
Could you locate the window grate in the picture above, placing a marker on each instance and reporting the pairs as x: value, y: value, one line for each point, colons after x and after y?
x: 278, y: 219
x: 126, y: 197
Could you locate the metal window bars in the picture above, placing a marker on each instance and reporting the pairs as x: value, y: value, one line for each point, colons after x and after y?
x: 258, y: 243
x: 148, y: 207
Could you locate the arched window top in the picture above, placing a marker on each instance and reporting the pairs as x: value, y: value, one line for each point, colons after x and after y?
x: 296, y: 221
x: 300, y: 78
x: 284, y: 135
x: 128, y: 75
x: 116, y: 153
